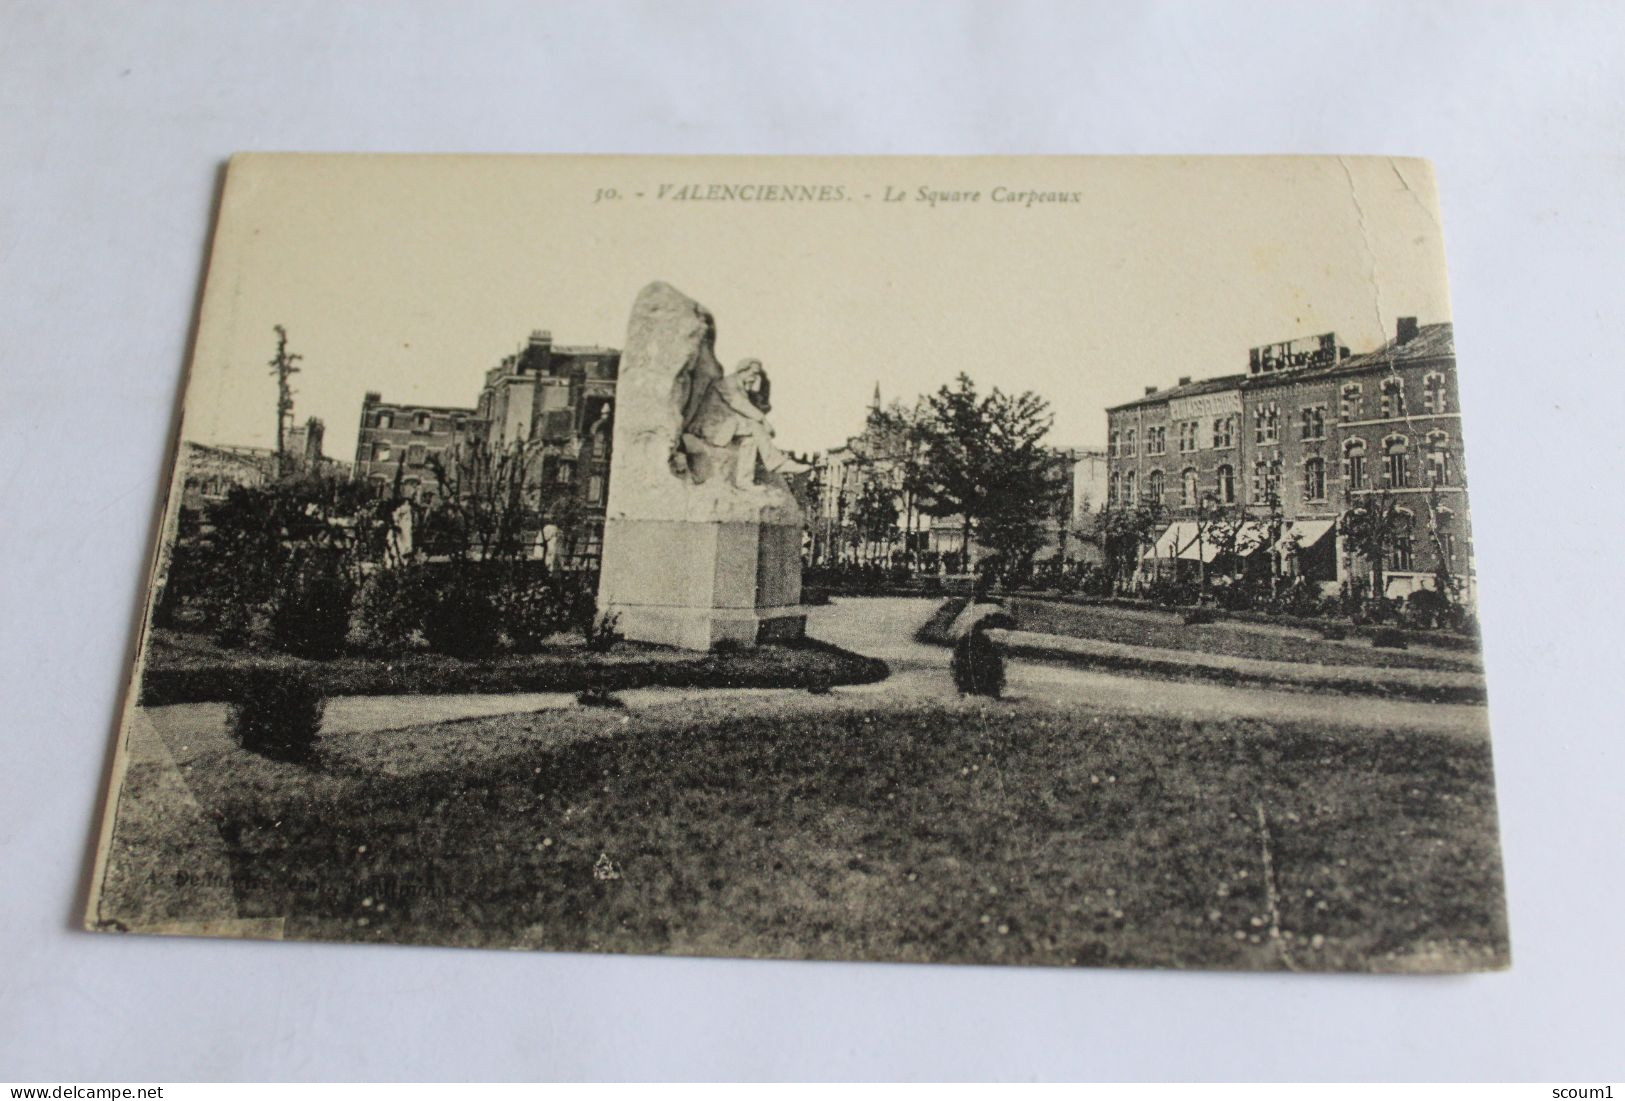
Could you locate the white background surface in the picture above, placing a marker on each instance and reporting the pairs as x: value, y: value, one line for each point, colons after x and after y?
x: 114, y: 119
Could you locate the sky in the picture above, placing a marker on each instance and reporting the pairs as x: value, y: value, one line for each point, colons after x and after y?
x: 411, y: 275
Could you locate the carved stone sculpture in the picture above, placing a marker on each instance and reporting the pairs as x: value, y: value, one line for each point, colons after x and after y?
x: 702, y: 537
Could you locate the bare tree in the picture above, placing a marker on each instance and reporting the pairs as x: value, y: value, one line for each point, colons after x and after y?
x: 284, y: 365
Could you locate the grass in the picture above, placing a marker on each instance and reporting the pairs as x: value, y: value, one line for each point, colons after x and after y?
x: 1167, y: 630
x: 963, y: 831
x: 190, y: 668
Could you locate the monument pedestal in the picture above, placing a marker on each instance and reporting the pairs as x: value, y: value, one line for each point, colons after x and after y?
x: 695, y: 584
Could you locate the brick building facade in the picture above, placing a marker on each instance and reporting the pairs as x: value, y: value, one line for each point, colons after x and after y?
x: 1306, y: 433
x: 396, y: 439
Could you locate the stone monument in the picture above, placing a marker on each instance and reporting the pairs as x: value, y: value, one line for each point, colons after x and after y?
x: 702, y: 537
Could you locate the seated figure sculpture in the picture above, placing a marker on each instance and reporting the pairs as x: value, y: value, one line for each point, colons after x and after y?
x: 725, y: 429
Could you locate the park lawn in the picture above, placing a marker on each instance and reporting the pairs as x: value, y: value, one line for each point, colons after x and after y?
x: 1148, y: 628
x: 846, y: 827
x: 188, y: 667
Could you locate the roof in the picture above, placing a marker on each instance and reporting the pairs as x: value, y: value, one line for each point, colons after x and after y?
x: 1436, y: 341
x: 1188, y: 390
x: 583, y: 350
x: 1430, y: 342
x: 395, y: 406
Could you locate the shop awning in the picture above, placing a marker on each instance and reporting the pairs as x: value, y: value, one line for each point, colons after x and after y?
x: 1202, y: 542
x: 1306, y: 533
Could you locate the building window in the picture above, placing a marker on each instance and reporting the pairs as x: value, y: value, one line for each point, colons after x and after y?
x: 1188, y: 436
x: 1433, y: 399
x: 1440, y: 469
x: 1227, y: 484
x: 595, y: 488
x: 1187, y: 487
x: 1266, y: 481
x: 1267, y: 424
x: 1224, y: 432
x: 1114, y: 444
x: 422, y: 422
x: 1401, y: 556
x: 380, y: 453
x: 1354, y: 463
x: 1393, y: 397
x: 1350, y: 407
x: 386, y: 419
x: 415, y: 455
x: 1314, y: 423
x: 1112, y: 489
x: 564, y: 472
x: 1314, y: 479
x: 1128, y: 489
x: 1128, y: 444
x: 1396, y: 463
x: 1153, y: 488
x: 1447, y: 543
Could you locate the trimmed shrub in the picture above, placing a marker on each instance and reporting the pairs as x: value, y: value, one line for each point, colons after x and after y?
x: 393, y: 606
x: 1198, y: 616
x: 310, y: 616
x: 599, y: 697
x: 1391, y: 638
x: 602, y: 632
x: 277, y: 713
x: 978, y: 667
x: 231, y: 627
x: 463, y: 620
x: 533, y: 610
x: 1334, y: 632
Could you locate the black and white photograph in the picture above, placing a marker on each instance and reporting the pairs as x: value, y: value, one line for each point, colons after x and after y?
x: 1048, y: 561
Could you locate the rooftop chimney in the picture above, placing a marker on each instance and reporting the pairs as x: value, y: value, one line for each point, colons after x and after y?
x: 1149, y: 390
x: 1407, y: 330
x: 1184, y: 380
x: 541, y: 336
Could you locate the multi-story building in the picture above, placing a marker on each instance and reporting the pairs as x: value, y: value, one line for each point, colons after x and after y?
x: 551, y: 404
x: 404, y: 441
x: 1173, y: 449
x: 1307, y: 433
x: 557, y: 403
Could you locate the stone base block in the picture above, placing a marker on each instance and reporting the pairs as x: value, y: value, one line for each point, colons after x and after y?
x: 695, y: 583
x: 701, y: 629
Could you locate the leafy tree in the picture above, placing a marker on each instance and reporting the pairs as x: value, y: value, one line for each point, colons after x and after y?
x: 269, y: 548
x: 983, y: 459
x: 875, y: 513
x: 894, y: 441
x: 1123, y: 532
x: 1371, y: 527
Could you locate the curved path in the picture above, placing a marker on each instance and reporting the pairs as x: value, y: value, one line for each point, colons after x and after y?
x: 884, y: 627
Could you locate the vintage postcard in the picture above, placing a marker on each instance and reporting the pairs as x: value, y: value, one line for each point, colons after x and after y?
x: 990, y: 560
